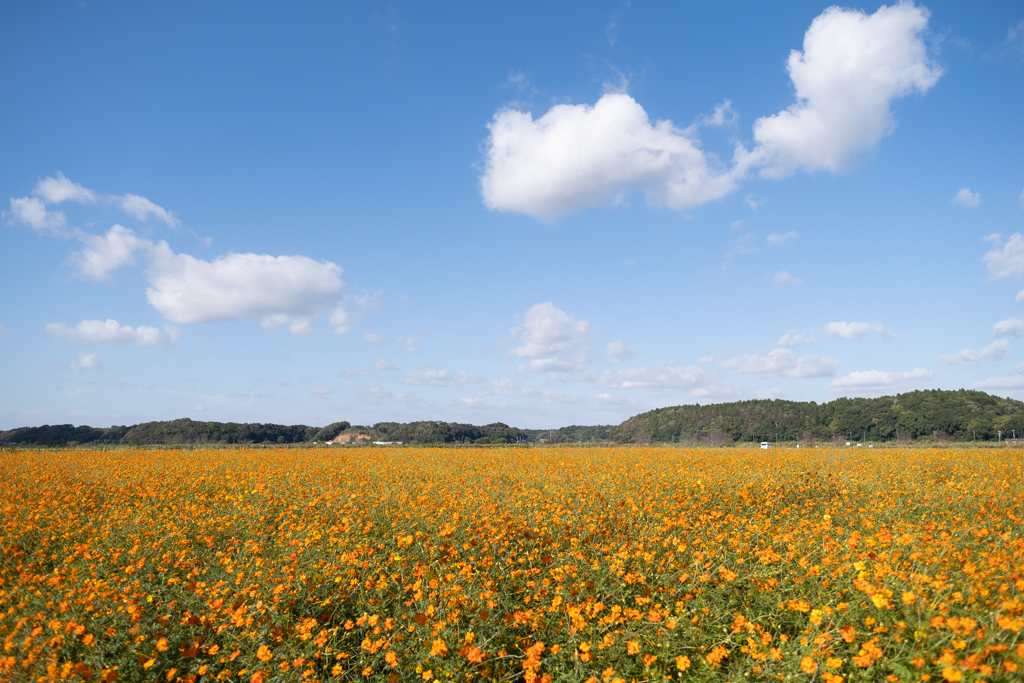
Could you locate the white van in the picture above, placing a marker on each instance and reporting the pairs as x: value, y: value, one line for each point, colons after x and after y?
x: 766, y: 444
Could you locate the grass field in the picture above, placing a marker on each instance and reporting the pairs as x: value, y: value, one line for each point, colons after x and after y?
x: 535, y: 564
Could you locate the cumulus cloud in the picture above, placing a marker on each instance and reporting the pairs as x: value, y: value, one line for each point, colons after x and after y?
x: 782, y: 363
x: 1012, y: 326
x: 1014, y: 379
x: 997, y: 350
x: 85, y: 362
x: 61, y: 189
x: 966, y: 198
x: 102, y: 254
x: 793, y: 338
x: 660, y: 376
x: 618, y: 352
x: 784, y: 278
x: 553, y: 340
x: 32, y: 212
x: 777, y: 239
x: 853, y: 330
x: 1005, y: 260
x: 437, y: 378
x: 579, y: 155
x: 112, y: 332
x: 276, y: 290
x: 873, y: 381
x: 852, y: 66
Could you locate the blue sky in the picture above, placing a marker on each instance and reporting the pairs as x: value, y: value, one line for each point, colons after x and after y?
x: 542, y: 215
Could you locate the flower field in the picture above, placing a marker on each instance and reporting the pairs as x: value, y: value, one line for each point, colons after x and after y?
x: 533, y: 564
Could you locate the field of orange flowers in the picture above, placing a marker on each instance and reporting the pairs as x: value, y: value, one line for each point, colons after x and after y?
x: 532, y: 564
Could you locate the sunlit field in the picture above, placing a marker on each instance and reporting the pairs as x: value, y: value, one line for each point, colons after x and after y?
x: 532, y: 564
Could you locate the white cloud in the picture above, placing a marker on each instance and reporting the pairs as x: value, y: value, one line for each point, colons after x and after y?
x: 753, y: 203
x: 409, y: 344
x: 1020, y: 296
x: 1014, y: 379
x: 86, y: 362
x: 105, y: 253
x: 723, y: 115
x: 994, y: 351
x: 852, y: 67
x: 60, y: 189
x: 850, y: 70
x: 112, y: 332
x: 782, y: 363
x: 142, y: 208
x: 32, y: 212
x: 618, y: 352
x: 706, y: 359
x: 579, y: 155
x: 793, y: 338
x: 497, y: 387
x: 777, y: 239
x: 1014, y: 42
x: 348, y: 312
x: 1013, y: 326
x: 871, y: 381
x: 1020, y: 199
x: 372, y: 337
x: 1005, y: 260
x: 552, y: 339
x: 660, y: 376
x: 277, y: 290
x: 853, y: 330
x: 784, y: 278
x: 340, y: 320
x: 320, y: 390
x: 437, y: 378
x: 381, y: 364
x: 378, y: 394
x: 966, y: 198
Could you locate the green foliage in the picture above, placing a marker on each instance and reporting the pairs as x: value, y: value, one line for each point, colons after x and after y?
x: 58, y: 435
x: 572, y: 434
x: 955, y: 415
x: 429, y: 432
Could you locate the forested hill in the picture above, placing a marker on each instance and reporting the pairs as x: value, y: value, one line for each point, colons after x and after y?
x: 182, y: 431
x: 942, y: 415
x: 954, y: 415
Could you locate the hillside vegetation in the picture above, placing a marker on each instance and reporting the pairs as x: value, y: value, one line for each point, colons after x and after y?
x: 939, y: 415
x: 944, y: 415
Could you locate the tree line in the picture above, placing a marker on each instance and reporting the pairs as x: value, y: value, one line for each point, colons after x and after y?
x: 961, y: 415
x: 941, y: 415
